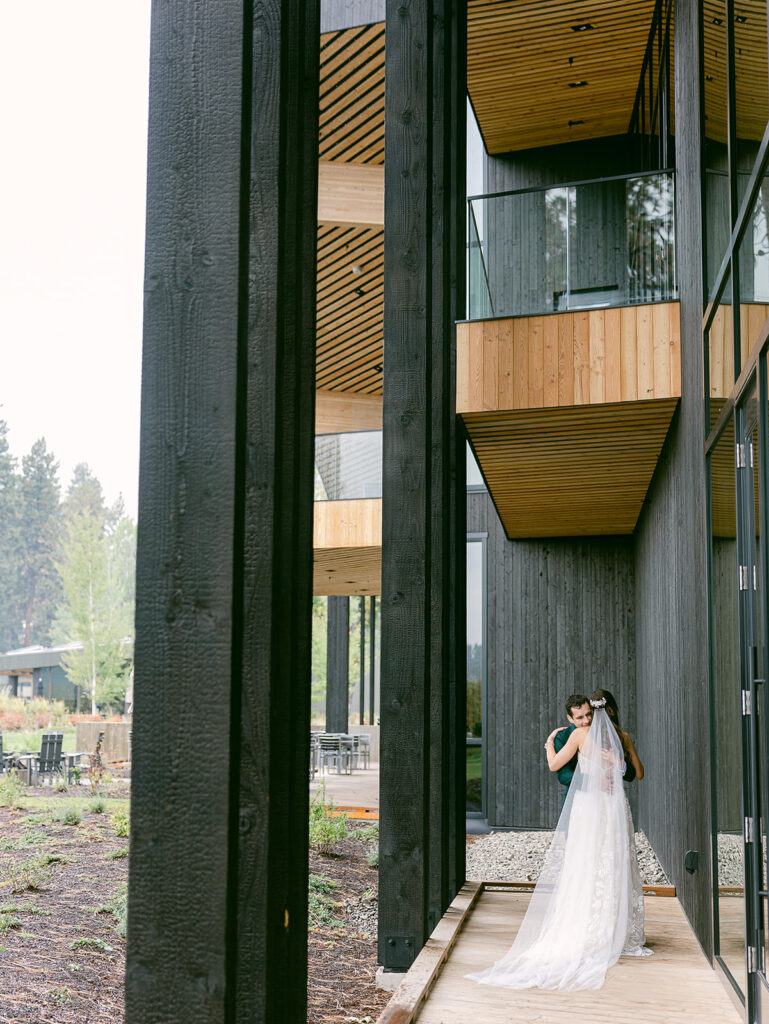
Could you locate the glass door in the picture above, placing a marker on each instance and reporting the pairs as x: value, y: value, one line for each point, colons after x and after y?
x: 751, y: 425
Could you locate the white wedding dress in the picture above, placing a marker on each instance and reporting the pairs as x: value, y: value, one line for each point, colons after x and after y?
x: 587, y: 907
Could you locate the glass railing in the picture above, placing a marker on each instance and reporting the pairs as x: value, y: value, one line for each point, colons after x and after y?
x: 591, y: 244
x: 348, y: 465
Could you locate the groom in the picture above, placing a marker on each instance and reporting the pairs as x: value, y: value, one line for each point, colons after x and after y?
x: 578, y: 712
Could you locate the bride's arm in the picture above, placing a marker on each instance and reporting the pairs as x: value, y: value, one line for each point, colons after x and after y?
x: 633, y: 756
x: 565, y: 754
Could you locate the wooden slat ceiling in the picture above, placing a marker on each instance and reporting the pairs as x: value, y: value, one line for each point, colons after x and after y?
x: 349, y: 309
x: 350, y: 259
x: 522, y: 56
x: 352, y: 95
x: 751, y: 74
x: 580, y: 471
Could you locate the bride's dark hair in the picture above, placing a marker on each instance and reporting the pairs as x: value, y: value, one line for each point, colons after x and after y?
x: 610, y: 707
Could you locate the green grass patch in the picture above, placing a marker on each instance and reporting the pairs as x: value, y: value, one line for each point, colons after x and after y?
x: 86, y: 943
x: 321, y: 902
x: 120, y: 854
x: 29, y: 740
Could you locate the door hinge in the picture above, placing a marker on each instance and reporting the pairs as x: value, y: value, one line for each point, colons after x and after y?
x: 752, y: 959
x: 748, y: 830
x: 740, y: 456
x: 743, y: 577
x: 747, y: 703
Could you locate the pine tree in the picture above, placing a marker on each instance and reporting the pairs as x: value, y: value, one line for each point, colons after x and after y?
x: 38, y: 591
x: 84, y: 493
x: 10, y: 544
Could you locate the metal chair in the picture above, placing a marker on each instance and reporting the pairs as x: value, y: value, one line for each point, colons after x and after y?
x: 333, y: 751
x: 363, y: 744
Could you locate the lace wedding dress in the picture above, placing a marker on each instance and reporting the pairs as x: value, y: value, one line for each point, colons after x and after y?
x: 587, y: 908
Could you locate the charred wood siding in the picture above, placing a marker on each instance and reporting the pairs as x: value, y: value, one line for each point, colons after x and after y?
x: 560, y: 620
x: 218, y: 887
x: 671, y: 540
x: 337, y: 664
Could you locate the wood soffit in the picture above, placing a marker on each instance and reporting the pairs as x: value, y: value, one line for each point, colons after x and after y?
x: 524, y: 56
x: 751, y: 72
x: 579, y: 471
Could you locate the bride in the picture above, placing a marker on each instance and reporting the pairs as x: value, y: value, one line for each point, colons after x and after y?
x: 587, y: 908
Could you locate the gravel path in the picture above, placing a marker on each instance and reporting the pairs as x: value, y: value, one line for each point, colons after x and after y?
x: 518, y: 857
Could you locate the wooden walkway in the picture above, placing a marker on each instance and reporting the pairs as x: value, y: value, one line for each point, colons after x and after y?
x: 675, y: 986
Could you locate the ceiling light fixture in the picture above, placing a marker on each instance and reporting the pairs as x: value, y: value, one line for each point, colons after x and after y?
x: 576, y: 85
x: 572, y: 123
x: 718, y: 21
x: 740, y: 19
x: 356, y: 269
x: 584, y: 27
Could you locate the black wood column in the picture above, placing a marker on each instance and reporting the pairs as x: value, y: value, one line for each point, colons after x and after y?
x: 218, y: 886
x: 421, y: 857
x: 372, y: 666
x: 337, y: 664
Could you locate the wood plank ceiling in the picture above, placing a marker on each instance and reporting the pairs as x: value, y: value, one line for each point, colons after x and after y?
x: 536, y: 78
x: 351, y: 259
x: 751, y: 81
x: 579, y: 471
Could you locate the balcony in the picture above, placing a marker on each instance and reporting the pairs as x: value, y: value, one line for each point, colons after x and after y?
x: 571, y: 351
x: 588, y: 245
x: 347, y: 538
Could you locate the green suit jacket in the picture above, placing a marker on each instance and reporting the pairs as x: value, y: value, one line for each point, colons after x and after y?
x: 565, y: 774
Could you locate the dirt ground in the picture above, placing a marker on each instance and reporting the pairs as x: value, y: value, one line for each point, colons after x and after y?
x: 62, y: 959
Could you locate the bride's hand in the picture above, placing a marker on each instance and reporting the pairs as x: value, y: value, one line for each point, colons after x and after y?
x: 555, y: 732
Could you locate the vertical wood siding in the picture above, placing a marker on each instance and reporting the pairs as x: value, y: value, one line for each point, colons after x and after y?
x: 560, y: 619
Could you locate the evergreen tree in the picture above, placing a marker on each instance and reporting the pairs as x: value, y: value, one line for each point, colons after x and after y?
x: 84, y: 494
x: 38, y: 588
x: 10, y: 544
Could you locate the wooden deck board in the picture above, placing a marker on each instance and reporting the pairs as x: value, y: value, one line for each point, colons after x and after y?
x: 674, y: 986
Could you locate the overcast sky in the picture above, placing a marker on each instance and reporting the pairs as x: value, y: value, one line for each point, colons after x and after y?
x: 73, y: 77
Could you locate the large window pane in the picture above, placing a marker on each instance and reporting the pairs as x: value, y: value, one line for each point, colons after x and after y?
x: 727, y: 710
x: 476, y: 658
x: 754, y: 273
x: 751, y: 82
x: 717, y: 217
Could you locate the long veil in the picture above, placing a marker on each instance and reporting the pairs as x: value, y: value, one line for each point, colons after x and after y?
x: 584, y: 912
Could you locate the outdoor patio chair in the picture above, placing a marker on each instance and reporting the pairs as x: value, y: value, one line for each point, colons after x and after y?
x: 333, y: 751
x: 49, y: 761
x: 363, y: 744
x: 314, y: 754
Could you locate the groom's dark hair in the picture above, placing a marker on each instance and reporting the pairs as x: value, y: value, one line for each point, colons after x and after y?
x: 575, y: 700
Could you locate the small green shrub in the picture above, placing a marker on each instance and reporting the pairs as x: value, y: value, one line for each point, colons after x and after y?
x: 121, y: 823
x: 97, y: 805
x: 7, y: 922
x: 368, y: 832
x: 11, y: 790
x: 26, y: 875
x: 325, y: 830
x: 118, y: 907
x: 321, y: 904
x: 69, y: 816
x: 61, y: 995
x: 85, y: 943
x: 120, y: 854
x: 60, y: 786
x: 372, y: 857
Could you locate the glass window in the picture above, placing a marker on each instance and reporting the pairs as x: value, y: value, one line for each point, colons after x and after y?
x: 717, y: 216
x: 727, y: 711
x: 476, y: 657
x: 751, y: 83
x: 754, y: 273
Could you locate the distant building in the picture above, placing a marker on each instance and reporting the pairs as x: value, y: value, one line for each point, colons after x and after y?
x: 37, y: 672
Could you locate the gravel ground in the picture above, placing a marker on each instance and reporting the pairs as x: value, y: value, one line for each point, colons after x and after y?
x: 518, y: 857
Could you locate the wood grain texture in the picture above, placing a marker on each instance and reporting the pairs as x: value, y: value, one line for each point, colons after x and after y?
x: 675, y: 986
x: 339, y: 412
x: 354, y: 523
x: 671, y: 545
x: 225, y: 527
x: 522, y: 58
x: 348, y: 570
x: 563, y: 359
x: 560, y: 617
x: 350, y: 194
x: 338, y: 664
x: 421, y: 796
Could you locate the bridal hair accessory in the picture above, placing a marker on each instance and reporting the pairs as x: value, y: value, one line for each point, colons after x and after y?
x: 600, y: 703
